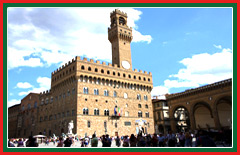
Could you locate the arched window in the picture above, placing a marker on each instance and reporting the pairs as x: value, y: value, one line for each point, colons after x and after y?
x: 73, y: 91
x: 29, y: 106
x: 145, y: 97
x: 68, y: 93
x: 51, y: 100
x: 96, y: 70
x: 139, y: 114
x: 146, y: 106
x: 114, y: 94
x: 96, y: 91
x: 102, y: 71
x: 106, y: 93
x: 96, y: 111
x: 139, y: 106
x: 46, y: 101
x: 138, y: 97
x: 89, y: 68
x: 108, y: 72
x: 106, y: 112
x: 121, y: 21
x: 85, y: 111
x: 82, y: 67
x: 147, y: 114
x: 85, y: 90
x: 35, y: 105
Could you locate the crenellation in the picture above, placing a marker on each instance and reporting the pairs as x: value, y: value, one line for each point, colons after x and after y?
x: 97, y: 62
x: 91, y: 60
x: 85, y: 59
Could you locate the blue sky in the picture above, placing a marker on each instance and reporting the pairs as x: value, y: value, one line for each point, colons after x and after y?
x: 182, y: 47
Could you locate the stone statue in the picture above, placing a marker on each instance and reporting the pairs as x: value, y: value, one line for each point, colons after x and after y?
x: 70, y: 127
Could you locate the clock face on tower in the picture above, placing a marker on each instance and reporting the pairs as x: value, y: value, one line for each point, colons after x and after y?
x: 126, y: 64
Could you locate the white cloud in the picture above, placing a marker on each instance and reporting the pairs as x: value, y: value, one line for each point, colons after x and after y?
x: 23, y: 85
x: 13, y: 102
x: 44, y: 84
x: 198, y: 70
x: 159, y: 91
x: 42, y: 37
x: 217, y: 46
x: 138, y: 37
x: 204, y: 68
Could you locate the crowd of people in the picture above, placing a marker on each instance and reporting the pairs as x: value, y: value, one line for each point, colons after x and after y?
x: 182, y: 139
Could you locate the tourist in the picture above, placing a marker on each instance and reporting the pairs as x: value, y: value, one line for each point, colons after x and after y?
x: 31, y: 142
x: 108, y: 141
x: 148, y: 140
x: 188, y: 140
x: 67, y: 142
x: 154, y: 140
x: 181, y: 138
x: 60, y: 142
x: 20, y: 143
x: 94, y: 141
x: 204, y: 140
x: 118, y: 141
x: 133, y: 141
x: 161, y: 140
x: 171, y: 139
x: 10, y: 143
x: 125, y: 141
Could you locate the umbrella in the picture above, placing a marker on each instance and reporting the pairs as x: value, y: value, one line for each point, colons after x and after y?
x: 39, y: 136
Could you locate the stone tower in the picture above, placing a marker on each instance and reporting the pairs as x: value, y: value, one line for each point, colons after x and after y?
x: 120, y: 35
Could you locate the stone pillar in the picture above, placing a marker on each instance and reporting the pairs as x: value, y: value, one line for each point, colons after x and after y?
x: 173, y: 124
x: 192, y: 121
x: 216, y: 119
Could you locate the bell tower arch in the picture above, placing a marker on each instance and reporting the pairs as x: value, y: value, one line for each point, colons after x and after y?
x: 120, y: 36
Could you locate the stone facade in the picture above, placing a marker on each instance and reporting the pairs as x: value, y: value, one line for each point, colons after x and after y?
x: 27, y: 119
x: 206, y: 107
x: 161, y: 116
x: 87, y: 92
x: 13, y: 113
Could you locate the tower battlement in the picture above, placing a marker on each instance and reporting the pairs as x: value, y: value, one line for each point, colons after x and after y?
x: 117, y: 11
